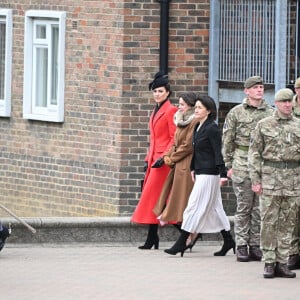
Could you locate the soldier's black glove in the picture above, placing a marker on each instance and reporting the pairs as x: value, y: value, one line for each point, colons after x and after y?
x: 145, y: 166
x: 159, y: 162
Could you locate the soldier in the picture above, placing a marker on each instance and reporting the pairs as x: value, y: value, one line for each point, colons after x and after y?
x: 294, y: 259
x: 240, y: 122
x: 4, y: 233
x: 296, y: 99
x: 274, y: 165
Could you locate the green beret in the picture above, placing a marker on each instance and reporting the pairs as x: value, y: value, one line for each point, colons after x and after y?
x: 251, y: 81
x: 297, y: 83
x: 284, y: 95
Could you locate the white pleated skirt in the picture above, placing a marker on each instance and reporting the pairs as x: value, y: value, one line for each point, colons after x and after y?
x: 204, y: 212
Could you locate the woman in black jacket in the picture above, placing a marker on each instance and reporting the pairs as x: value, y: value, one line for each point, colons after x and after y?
x: 204, y: 212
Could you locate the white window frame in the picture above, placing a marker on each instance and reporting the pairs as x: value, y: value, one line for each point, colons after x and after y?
x: 50, y: 113
x: 5, y: 103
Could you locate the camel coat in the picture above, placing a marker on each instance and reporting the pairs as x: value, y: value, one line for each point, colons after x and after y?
x: 162, y: 130
x: 178, y: 185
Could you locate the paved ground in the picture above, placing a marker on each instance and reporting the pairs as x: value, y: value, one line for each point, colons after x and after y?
x: 121, y: 271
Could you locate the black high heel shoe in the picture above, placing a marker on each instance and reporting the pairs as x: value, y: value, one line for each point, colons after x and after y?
x: 229, y: 243
x: 180, y: 245
x: 225, y: 248
x: 152, y: 238
x: 193, y: 242
x: 174, y: 250
x: 150, y: 243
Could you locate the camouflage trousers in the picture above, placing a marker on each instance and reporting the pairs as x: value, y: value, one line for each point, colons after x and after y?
x: 247, y: 215
x: 295, y: 243
x: 278, y: 219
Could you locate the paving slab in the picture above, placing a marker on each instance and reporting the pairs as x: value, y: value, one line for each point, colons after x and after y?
x: 115, y: 271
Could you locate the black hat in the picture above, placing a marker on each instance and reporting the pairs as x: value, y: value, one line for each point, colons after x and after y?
x: 160, y: 79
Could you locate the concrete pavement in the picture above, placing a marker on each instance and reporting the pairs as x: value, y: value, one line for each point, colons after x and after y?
x: 115, y: 271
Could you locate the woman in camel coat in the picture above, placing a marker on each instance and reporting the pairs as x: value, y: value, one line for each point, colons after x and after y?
x: 178, y: 185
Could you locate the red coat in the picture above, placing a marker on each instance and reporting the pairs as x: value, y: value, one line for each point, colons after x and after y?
x: 162, y: 130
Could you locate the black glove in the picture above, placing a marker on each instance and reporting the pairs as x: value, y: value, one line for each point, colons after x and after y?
x: 145, y: 166
x: 222, y: 170
x: 159, y: 162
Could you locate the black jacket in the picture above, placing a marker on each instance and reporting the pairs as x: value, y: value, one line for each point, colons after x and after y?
x: 207, y: 157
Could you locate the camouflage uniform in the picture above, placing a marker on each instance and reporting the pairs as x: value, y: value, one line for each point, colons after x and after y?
x: 240, y: 122
x: 295, y: 244
x: 274, y: 162
x: 296, y: 108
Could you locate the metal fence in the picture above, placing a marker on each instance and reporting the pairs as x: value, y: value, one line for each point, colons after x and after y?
x: 248, y: 40
x: 293, y: 49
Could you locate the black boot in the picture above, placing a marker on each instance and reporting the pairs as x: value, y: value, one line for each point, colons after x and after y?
x: 178, y: 227
x: 180, y: 245
x: 255, y: 254
x: 194, y: 241
x: 4, y: 234
x: 282, y: 270
x: 152, y: 238
x: 294, y: 262
x: 242, y: 253
x: 229, y: 243
x: 269, y: 270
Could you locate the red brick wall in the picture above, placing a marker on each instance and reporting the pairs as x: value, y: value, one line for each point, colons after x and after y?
x: 188, y: 70
x: 69, y: 169
x: 91, y: 164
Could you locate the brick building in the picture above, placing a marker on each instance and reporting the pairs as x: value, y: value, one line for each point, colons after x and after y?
x: 74, y: 105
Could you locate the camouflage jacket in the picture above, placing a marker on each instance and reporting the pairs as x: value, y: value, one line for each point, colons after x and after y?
x: 296, y: 107
x: 274, y: 155
x: 239, y: 123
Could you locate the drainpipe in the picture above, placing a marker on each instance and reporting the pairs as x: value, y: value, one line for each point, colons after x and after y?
x: 164, y: 36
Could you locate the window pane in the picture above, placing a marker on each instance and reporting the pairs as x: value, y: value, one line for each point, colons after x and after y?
x: 54, y: 66
x: 41, y: 77
x: 2, y: 59
x: 44, y: 66
x: 247, y: 40
x: 40, y: 32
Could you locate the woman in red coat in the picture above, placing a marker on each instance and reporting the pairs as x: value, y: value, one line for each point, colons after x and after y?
x: 162, y: 130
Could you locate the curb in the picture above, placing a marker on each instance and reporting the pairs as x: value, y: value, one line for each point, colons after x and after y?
x: 88, y: 230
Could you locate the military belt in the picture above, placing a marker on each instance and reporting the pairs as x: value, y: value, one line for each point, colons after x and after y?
x: 243, y: 148
x: 282, y: 164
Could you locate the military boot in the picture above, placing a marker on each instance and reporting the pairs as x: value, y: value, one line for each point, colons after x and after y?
x: 294, y: 262
x: 269, y: 271
x: 242, y: 253
x: 255, y: 253
x: 282, y: 270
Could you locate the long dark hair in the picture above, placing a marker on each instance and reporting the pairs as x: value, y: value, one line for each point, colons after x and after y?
x: 209, y: 104
x: 189, y: 98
